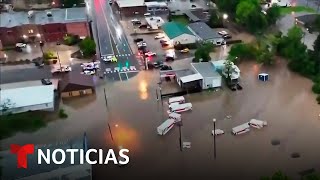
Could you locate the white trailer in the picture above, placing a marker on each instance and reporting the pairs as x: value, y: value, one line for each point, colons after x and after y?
x: 178, y: 108
x: 178, y: 99
x: 165, y: 126
x: 175, y: 116
x: 243, y: 128
x: 258, y: 124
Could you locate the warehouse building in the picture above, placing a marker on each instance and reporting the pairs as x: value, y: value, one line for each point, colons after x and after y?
x: 26, y: 96
x: 211, y: 78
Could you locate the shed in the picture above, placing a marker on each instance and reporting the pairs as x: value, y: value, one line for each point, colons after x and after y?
x: 76, y: 85
x: 178, y: 33
x: 205, y: 33
x: 26, y: 96
x: 211, y: 78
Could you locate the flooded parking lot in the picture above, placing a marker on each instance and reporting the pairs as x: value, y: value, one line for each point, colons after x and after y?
x: 285, y: 102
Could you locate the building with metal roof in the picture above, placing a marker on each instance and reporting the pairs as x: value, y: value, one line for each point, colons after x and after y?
x: 178, y: 33
x: 205, y: 33
x: 211, y: 78
x: 26, y: 96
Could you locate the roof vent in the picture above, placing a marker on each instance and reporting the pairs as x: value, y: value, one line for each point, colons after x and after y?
x: 30, y: 14
x: 49, y: 14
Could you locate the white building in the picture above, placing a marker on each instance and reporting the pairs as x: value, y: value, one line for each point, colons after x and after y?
x: 26, y: 96
x: 211, y: 78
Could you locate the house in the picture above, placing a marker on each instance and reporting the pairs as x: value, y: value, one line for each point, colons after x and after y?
x: 76, y: 171
x: 76, y: 85
x: 155, y: 6
x: 197, y: 15
x: 26, y: 96
x: 45, y: 25
x: 211, y: 78
x: 178, y: 33
x: 131, y: 7
x: 205, y: 34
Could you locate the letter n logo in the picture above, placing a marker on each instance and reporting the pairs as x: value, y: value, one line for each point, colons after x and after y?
x: 22, y: 152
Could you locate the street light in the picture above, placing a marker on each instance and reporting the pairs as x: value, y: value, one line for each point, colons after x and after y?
x: 24, y: 36
x: 214, y: 138
x: 225, y: 16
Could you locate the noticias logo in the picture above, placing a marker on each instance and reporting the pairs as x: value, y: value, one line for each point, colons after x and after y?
x: 49, y: 157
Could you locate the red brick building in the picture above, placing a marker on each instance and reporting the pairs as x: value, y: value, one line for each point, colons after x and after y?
x: 37, y: 25
x: 129, y: 7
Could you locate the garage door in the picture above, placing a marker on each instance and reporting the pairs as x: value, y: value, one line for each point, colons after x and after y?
x: 216, y: 82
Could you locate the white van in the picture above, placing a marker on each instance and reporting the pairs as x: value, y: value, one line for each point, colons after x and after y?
x: 175, y: 116
x: 178, y: 99
x: 257, y: 123
x: 178, y: 108
x: 165, y: 126
x: 243, y: 128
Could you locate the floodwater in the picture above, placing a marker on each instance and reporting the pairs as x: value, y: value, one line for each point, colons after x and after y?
x: 285, y: 102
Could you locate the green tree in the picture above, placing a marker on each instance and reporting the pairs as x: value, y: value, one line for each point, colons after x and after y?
x: 273, y: 14
x: 242, y: 51
x: 244, y: 9
x: 316, y: 24
x: 215, y: 19
x: 228, y: 68
x: 228, y: 6
x: 87, y: 47
x: 71, y: 39
x: 248, y: 13
x: 202, y: 53
x: 49, y: 55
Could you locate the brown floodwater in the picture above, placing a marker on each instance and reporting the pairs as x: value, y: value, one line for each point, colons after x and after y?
x: 285, y: 102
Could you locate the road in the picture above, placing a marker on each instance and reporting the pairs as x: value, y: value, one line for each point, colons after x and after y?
x: 112, y: 41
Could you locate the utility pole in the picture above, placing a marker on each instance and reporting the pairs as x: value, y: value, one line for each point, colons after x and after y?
x: 109, y: 127
x: 59, y: 61
x: 214, y: 138
x: 180, y: 136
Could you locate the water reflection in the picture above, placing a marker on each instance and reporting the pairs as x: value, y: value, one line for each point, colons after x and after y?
x: 124, y: 136
x: 143, y: 89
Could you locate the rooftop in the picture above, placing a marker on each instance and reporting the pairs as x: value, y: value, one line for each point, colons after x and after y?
x: 130, y: 3
x: 156, y: 4
x: 190, y: 78
x: 184, y: 72
x: 198, y: 15
x: 307, y: 19
x: 74, y: 82
x: 173, y: 29
x: 202, y: 30
x: 12, y: 19
x: 36, y: 94
x: 206, y: 69
x: 20, y: 73
x: 45, y: 171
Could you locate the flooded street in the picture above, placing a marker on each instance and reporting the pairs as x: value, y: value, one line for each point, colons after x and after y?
x: 285, y: 102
